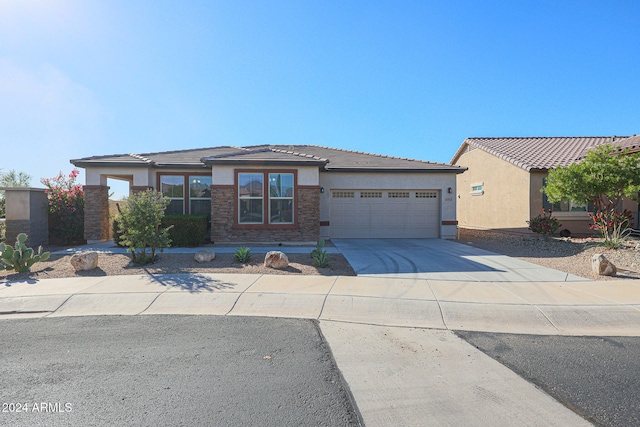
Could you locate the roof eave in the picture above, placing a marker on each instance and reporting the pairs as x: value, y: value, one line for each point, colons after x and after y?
x: 454, y: 169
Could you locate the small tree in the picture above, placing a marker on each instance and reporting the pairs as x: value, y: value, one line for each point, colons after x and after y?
x: 66, y: 207
x: 604, y: 177
x: 139, y: 224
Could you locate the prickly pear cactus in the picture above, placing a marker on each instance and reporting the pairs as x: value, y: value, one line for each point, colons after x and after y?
x: 20, y: 258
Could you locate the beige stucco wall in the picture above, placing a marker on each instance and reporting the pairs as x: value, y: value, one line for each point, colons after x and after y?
x: 505, y: 202
x: 391, y: 181
x: 225, y: 175
x: 138, y: 177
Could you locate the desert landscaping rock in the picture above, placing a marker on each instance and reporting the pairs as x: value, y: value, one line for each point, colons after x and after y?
x: 84, y: 261
x: 602, y: 266
x: 205, y: 255
x: 276, y: 259
x: 571, y: 255
x: 58, y: 266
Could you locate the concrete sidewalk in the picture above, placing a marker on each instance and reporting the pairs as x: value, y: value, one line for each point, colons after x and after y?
x: 563, y: 308
x: 391, y: 338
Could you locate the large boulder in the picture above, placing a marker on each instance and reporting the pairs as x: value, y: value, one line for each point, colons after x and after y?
x: 276, y: 259
x: 83, y: 261
x: 205, y: 255
x: 602, y: 266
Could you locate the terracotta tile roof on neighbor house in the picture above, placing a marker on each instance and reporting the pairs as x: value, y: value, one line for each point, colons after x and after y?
x: 330, y: 159
x: 632, y: 143
x: 534, y: 153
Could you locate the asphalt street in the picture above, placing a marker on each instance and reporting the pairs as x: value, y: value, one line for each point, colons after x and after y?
x: 169, y: 370
x: 598, y: 377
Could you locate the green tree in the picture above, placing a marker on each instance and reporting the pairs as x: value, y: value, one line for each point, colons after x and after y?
x: 139, y: 224
x: 603, y: 178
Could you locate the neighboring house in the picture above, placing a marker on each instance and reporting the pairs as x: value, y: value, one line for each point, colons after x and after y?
x: 502, y: 187
x: 273, y: 193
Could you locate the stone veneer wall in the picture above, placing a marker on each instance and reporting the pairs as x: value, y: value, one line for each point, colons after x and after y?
x: 223, y: 201
x: 96, y: 212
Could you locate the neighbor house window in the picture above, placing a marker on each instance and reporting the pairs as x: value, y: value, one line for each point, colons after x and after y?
x: 172, y: 187
x: 564, y: 205
x: 187, y: 194
x: 266, y: 198
x: 250, y: 198
x: 477, y: 189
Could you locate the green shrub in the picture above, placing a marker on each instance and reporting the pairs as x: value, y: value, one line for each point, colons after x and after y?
x: 319, y: 255
x: 117, y: 233
x: 3, y: 230
x: 187, y: 230
x: 243, y: 255
x: 544, y: 224
x: 139, y: 224
x: 20, y: 258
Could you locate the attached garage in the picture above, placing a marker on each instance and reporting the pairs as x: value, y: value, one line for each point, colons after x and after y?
x: 385, y: 213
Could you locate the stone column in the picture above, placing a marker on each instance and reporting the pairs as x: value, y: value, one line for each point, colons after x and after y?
x: 96, y: 213
x: 27, y: 211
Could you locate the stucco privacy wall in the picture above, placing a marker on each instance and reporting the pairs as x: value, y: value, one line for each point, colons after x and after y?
x: 391, y: 181
x: 506, y: 188
x: 27, y: 211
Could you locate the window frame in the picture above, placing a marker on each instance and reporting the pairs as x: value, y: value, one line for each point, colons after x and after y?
x: 186, y: 185
x: 292, y: 197
x: 266, y: 200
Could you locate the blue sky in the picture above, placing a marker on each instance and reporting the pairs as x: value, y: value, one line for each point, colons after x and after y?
x: 404, y: 78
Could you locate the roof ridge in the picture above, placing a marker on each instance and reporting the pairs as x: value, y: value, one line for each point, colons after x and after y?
x: 547, y: 137
x: 382, y: 155
x: 242, y: 152
x: 191, y: 149
x: 298, y: 154
x: 139, y: 157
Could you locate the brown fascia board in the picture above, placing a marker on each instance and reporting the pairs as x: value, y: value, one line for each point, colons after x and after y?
x: 84, y: 164
x: 453, y: 169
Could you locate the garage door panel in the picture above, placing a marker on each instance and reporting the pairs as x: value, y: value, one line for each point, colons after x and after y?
x: 384, y: 214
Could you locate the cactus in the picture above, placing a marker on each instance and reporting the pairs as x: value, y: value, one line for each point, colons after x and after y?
x: 20, y: 258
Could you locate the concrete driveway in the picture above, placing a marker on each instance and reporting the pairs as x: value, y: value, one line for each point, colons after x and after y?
x: 438, y: 259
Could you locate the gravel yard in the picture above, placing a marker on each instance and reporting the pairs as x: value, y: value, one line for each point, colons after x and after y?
x: 118, y: 264
x: 570, y: 255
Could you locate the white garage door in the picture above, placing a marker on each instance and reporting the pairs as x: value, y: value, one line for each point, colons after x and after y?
x: 385, y: 214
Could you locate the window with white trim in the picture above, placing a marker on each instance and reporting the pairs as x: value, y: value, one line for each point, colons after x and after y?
x: 477, y: 189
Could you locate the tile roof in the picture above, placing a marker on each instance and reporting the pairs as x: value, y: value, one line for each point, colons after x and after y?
x: 632, y: 143
x: 331, y: 159
x: 535, y: 153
